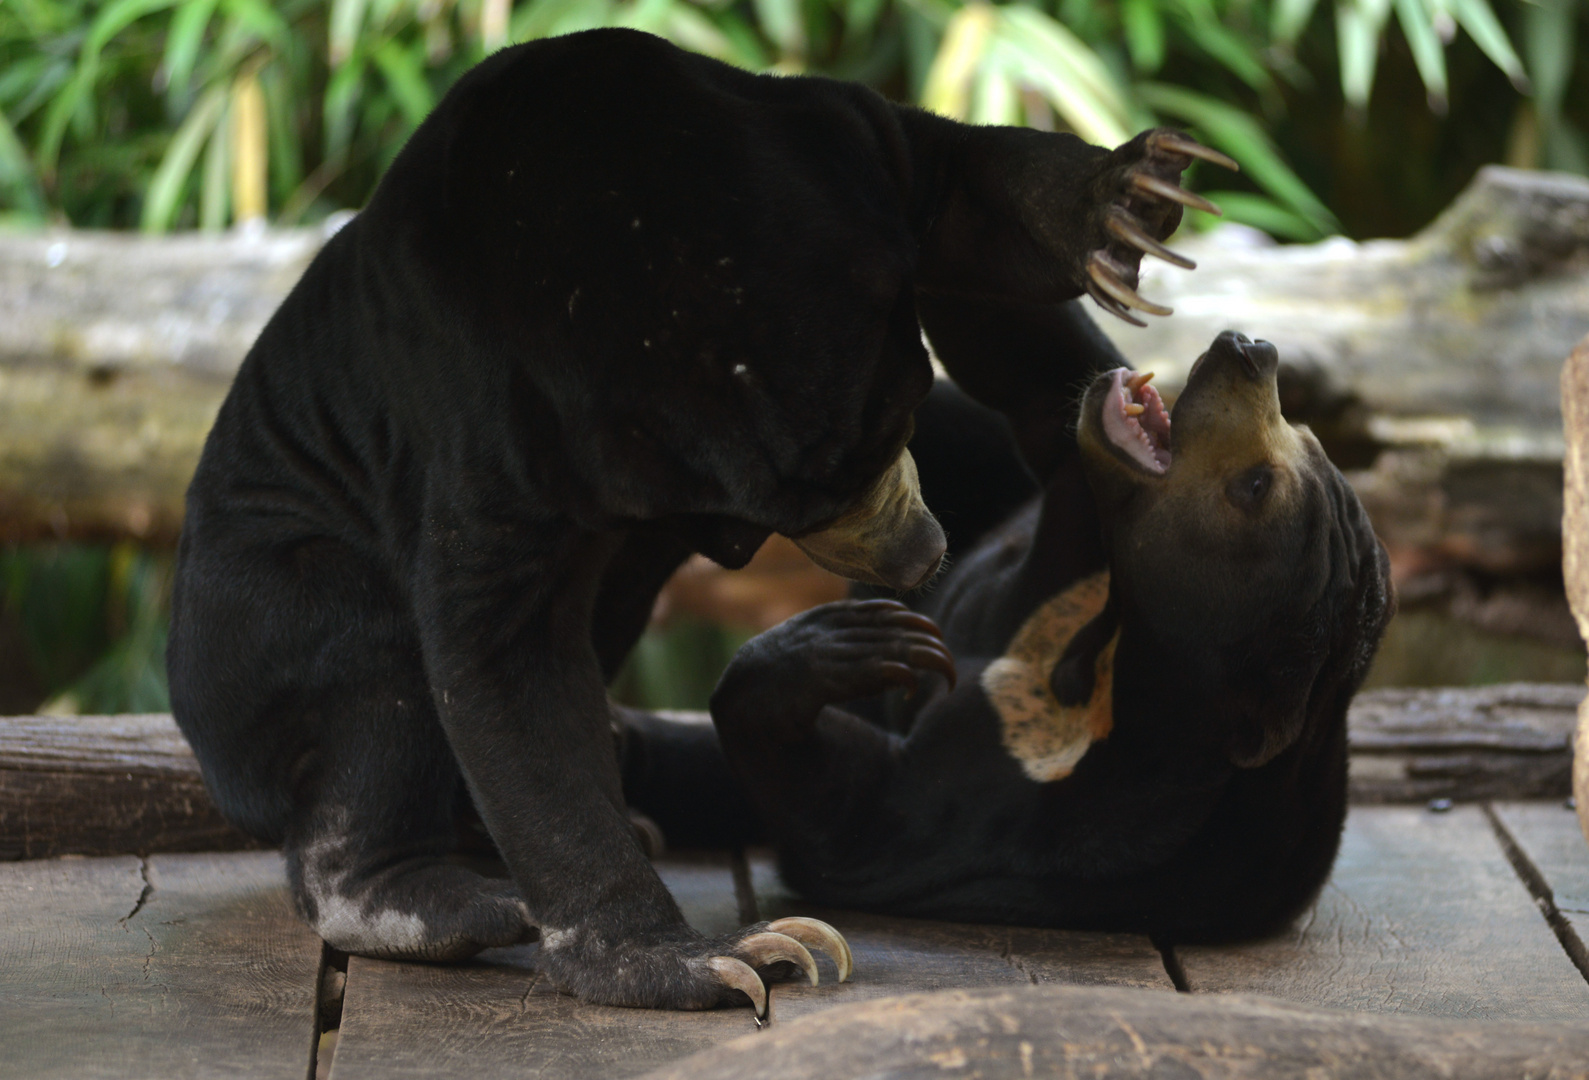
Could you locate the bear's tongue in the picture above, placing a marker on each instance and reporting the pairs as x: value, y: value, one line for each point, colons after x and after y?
x: 1135, y: 420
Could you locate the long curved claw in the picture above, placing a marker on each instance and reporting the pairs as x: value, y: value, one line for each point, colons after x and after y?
x: 1152, y: 185
x: 1181, y: 144
x: 939, y: 660
x: 1122, y: 294
x: 1111, y: 306
x: 1124, y: 228
x: 818, y: 935
x: 771, y: 947
x: 738, y: 975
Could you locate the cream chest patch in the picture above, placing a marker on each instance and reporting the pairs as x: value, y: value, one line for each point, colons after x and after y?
x: 1048, y: 738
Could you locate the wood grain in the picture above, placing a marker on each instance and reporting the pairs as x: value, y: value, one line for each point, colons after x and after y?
x: 1548, y: 836
x: 1422, y: 915
x: 177, y: 966
x: 1464, y: 743
x: 104, y: 785
x: 898, y: 956
x: 1099, y: 1032
x: 497, y: 1017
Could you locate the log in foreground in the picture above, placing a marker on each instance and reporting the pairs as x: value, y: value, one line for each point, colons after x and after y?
x: 1096, y: 1032
x: 108, y: 785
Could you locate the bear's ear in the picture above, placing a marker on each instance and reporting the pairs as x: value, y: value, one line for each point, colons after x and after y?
x: 1076, y: 671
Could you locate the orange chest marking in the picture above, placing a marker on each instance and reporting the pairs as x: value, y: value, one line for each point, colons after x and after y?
x: 1048, y: 738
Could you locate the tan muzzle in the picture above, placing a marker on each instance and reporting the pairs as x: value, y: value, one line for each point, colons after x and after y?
x: 888, y: 538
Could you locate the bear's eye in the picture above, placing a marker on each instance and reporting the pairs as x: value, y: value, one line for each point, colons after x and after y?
x: 1249, y: 488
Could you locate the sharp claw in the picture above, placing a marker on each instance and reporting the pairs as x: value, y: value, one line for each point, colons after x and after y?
x: 939, y: 660
x: 1152, y: 185
x: 770, y: 947
x: 818, y: 935
x: 738, y: 975
x: 1182, y: 144
x: 1119, y: 292
x: 1121, y: 225
x: 1111, y: 307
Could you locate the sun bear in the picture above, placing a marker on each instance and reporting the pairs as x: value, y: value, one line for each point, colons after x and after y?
x: 612, y: 304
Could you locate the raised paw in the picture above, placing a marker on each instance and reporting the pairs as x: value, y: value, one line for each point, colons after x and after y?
x: 1141, y: 205
x: 831, y: 654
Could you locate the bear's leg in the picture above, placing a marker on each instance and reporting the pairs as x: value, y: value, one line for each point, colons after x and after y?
x: 367, y: 850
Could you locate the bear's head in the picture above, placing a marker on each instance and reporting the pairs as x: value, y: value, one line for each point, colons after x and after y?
x: 1245, y: 577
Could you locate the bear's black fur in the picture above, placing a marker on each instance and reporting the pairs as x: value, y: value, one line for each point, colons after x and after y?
x: 613, y: 303
x: 1154, y: 666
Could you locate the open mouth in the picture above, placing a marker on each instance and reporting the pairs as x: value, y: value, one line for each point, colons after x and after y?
x: 1135, y: 420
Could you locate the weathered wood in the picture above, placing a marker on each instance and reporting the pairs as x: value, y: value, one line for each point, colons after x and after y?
x: 115, y: 352
x: 497, y: 1017
x: 102, y: 785
x: 1575, y: 535
x: 1511, y: 741
x: 1555, y: 866
x: 96, y: 785
x: 1422, y: 915
x: 896, y: 955
x: 1093, y: 1033
x: 178, y: 966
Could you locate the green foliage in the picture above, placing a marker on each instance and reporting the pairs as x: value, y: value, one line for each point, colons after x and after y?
x: 174, y: 113
x: 92, y: 622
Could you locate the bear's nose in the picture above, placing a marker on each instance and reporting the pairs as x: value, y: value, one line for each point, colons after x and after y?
x: 1258, y: 359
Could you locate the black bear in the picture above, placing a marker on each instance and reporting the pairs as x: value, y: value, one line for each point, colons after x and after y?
x: 612, y: 304
x: 1154, y: 657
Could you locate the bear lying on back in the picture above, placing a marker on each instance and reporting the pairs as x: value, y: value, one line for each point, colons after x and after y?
x: 1154, y: 661
x: 611, y: 305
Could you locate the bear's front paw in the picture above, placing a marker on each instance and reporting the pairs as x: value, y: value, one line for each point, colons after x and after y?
x: 1139, y: 206
x: 679, y: 969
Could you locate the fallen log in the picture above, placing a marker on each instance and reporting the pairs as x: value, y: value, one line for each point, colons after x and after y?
x: 1104, y: 1032
x: 107, y: 785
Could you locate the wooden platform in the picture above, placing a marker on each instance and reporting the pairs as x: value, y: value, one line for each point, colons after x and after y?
x: 193, y: 965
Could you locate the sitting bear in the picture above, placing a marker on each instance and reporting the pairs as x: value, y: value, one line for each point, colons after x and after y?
x: 1144, y: 726
x: 611, y: 305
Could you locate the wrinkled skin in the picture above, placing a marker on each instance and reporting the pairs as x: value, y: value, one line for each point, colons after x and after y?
x: 1208, y: 678
x: 611, y: 305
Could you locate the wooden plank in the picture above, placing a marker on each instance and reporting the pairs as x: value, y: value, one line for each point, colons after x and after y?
x: 1422, y: 915
x: 899, y: 956
x: 1556, y: 867
x: 1106, y: 1032
x: 496, y: 1017
x: 178, y: 966
x: 1463, y: 743
x: 103, y: 785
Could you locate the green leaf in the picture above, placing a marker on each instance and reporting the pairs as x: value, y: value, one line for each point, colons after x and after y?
x: 183, y: 41
x: 1289, y: 19
x: 19, y: 184
x: 164, y: 196
x: 1239, y: 135
x: 1034, y: 49
x: 1549, y: 39
x: 341, y: 98
x: 546, y: 18
x: 215, y: 188
x: 260, y: 19
x: 1417, y: 25
x: 1480, y: 22
x: 1234, y: 54
x: 403, y: 68
x: 1245, y: 208
x: 994, y: 99
x: 780, y: 21
x: 1358, y: 25
x: 1144, y: 31
x: 347, y: 19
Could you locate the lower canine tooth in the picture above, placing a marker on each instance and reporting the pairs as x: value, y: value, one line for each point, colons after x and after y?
x: 1134, y: 409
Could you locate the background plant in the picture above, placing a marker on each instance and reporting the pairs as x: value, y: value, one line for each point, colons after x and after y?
x: 164, y: 114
